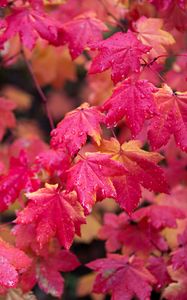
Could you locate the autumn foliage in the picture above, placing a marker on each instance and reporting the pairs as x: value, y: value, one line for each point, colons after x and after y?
x: 93, y: 147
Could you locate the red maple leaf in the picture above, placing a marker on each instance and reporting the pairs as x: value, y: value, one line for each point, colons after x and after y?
x: 158, y: 267
x: 173, y: 12
x: 81, y: 31
x: 142, y: 238
x: 31, y: 24
x: 46, y: 270
x: 32, y: 146
x: 72, y: 131
x: 54, y: 161
x: 172, y: 118
x: 25, y: 237
x: 3, y: 3
x: 142, y: 170
x: 113, y: 225
x: 7, y: 119
x: 160, y: 216
x: 91, y: 177
x: 133, y: 100
x: 121, y: 52
x: 20, y: 177
x: 55, y: 213
x: 121, y: 232
x: 12, y: 262
x: 124, y: 278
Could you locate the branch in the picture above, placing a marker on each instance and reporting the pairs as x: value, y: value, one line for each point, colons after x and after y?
x: 40, y: 92
x: 148, y: 65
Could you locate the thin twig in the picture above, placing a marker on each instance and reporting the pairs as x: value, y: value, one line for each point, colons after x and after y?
x: 40, y: 92
x: 148, y: 65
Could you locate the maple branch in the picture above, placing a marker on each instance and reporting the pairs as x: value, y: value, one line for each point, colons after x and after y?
x: 40, y: 92
x: 165, y: 55
x: 148, y: 65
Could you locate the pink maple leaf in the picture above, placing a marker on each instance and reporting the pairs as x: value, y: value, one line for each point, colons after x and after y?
x: 121, y: 52
x: 133, y: 100
x: 80, y: 32
x: 124, y: 278
x: 30, y: 24
x: 55, y: 213
x: 171, y: 120
x: 73, y: 130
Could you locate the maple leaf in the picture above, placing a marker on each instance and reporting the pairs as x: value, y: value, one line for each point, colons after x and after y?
x: 176, y: 198
x: 99, y: 87
x: 133, y: 100
x: 81, y: 31
x: 176, y: 16
x: 124, y: 278
x: 173, y: 12
x: 3, y: 3
x: 7, y: 119
x: 72, y: 131
x: 12, y: 261
x: 113, y: 225
x: 30, y: 24
x: 48, y: 271
x: 121, y: 232
x: 20, y: 177
x: 31, y: 145
x: 149, y: 32
x: 55, y: 213
x: 160, y: 216
x: 121, y: 52
x: 141, y: 238
x: 172, y: 118
x: 142, y: 170
x: 46, y: 267
x: 178, y: 288
x: 17, y: 294
x: 91, y: 178
x: 158, y: 267
x: 55, y: 161
x: 179, y: 258
x: 58, y: 62
x: 25, y: 237
x: 72, y: 8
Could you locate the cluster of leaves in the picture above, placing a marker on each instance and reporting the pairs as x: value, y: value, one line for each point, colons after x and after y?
x: 100, y: 149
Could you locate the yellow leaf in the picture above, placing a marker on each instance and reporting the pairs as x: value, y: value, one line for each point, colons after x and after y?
x: 17, y: 294
x: 21, y: 98
x: 84, y: 287
x: 89, y: 231
x: 150, y: 34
